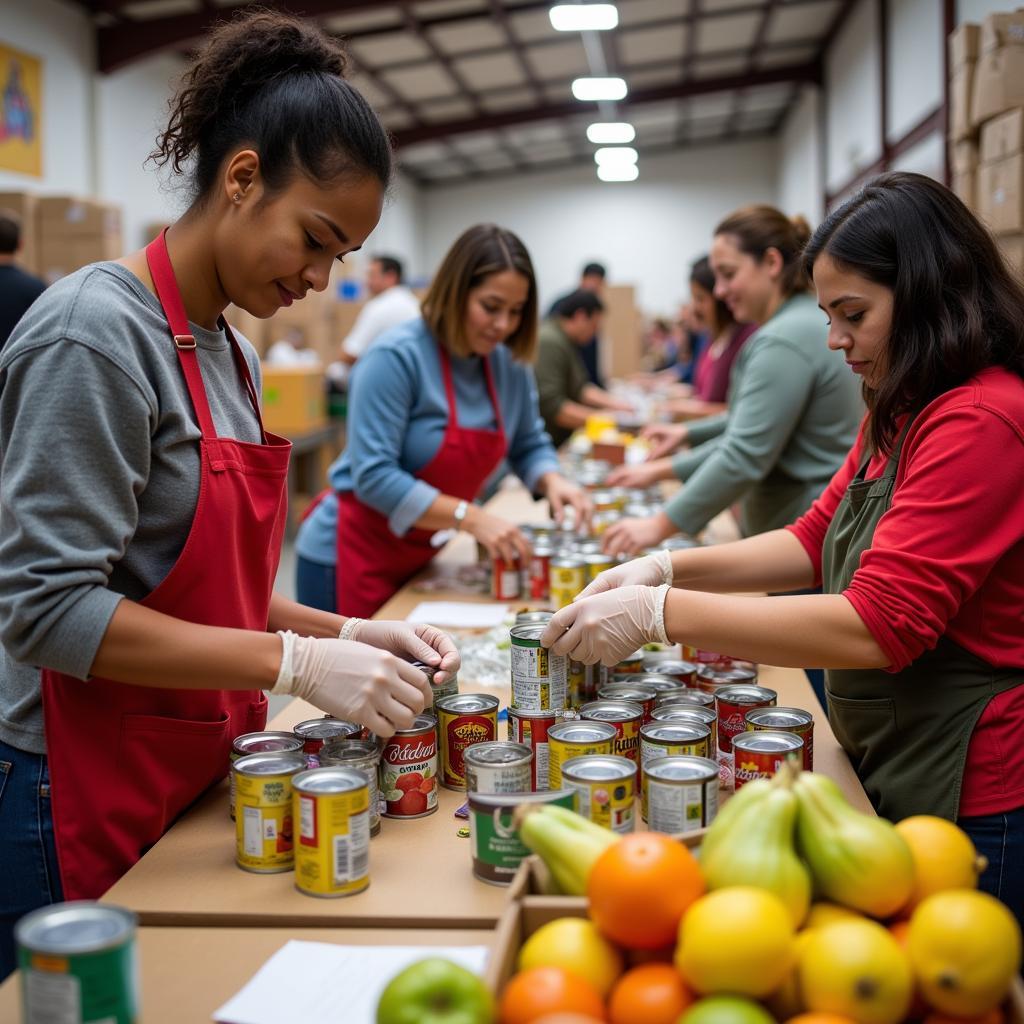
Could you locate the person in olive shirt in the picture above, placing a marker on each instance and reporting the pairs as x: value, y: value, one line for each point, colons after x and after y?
x: 18, y: 289
x: 565, y: 393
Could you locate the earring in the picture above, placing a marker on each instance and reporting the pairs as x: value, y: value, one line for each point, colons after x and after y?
x: 237, y: 198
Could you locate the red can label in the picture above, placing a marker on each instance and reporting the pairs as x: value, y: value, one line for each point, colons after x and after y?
x: 505, y: 581
x: 534, y: 733
x: 732, y: 720
x: 408, y: 774
x: 457, y: 733
x: 539, y: 588
x: 763, y: 764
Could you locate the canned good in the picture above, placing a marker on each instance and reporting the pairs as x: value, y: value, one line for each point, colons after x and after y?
x: 699, y: 698
x: 571, y: 739
x: 537, y: 575
x: 79, y: 962
x: 585, y: 681
x: 686, y: 712
x: 664, y: 739
x: 732, y: 704
x: 794, y: 720
x: 632, y: 665
x: 362, y: 756
x: 568, y: 577
x: 263, y: 811
x: 577, y: 682
x: 605, y: 500
x: 533, y: 618
x: 597, y: 563
x: 408, y: 771
x: 531, y: 728
x: 544, y: 530
x: 634, y: 693
x: 711, y: 678
x: 318, y: 731
x: 463, y: 720
x: 583, y: 546
x: 605, y: 788
x: 332, y: 808
x: 505, y: 578
x: 259, y: 743
x: 663, y: 685
x: 683, y: 672
x: 539, y: 678
x: 627, y: 719
x: 498, y: 766
x: 759, y: 755
x: 656, y: 654
x: 680, y: 794
x: 600, y: 521
x: 494, y: 839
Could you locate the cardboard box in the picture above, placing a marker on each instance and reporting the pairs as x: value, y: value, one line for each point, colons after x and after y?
x: 1000, y: 201
x: 25, y: 205
x: 964, y: 44
x: 70, y: 216
x: 961, y: 92
x: 294, y: 399
x: 998, y: 83
x: 1003, y: 136
x: 59, y: 257
x: 964, y: 156
x: 965, y: 187
x: 1003, y: 29
x: 1012, y: 248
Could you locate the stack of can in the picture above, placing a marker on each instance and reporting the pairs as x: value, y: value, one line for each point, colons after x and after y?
x: 732, y: 704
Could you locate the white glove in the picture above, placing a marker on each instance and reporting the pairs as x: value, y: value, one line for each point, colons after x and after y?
x: 609, y: 626
x: 419, y: 643
x: 352, y: 681
x: 649, y: 571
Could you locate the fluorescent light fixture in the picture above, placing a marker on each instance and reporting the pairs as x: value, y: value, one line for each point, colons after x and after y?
x: 618, y: 172
x: 615, y: 156
x: 583, y: 17
x: 611, y: 133
x: 599, y: 89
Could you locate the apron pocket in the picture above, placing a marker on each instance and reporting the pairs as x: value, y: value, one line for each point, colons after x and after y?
x: 258, y: 714
x: 861, y: 725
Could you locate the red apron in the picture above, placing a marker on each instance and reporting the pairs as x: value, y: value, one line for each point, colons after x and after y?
x: 126, y: 760
x: 372, y: 563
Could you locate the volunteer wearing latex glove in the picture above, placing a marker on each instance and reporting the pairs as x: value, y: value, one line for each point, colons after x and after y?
x: 649, y: 571
x: 416, y: 643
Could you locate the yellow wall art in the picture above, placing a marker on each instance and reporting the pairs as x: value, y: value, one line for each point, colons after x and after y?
x: 21, y: 112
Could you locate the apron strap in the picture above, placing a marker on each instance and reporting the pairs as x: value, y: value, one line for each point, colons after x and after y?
x: 449, y: 389
x: 243, y: 371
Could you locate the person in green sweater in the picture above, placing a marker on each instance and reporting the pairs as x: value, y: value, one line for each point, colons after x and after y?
x: 793, y: 407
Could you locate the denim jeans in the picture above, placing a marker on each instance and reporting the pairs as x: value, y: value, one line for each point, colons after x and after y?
x: 1000, y: 838
x: 314, y: 584
x: 30, y: 877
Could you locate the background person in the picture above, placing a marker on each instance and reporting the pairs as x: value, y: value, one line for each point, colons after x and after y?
x: 18, y: 288
x: 389, y: 305
x: 592, y: 279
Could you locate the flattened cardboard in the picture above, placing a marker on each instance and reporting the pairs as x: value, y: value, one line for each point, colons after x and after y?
x: 1001, y: 195
x: 998, y: 84
x: 1002, y: 29
x: 963, y: 156
x: 964, y: 44
x: 961, y: 89
x: 1003, y: 136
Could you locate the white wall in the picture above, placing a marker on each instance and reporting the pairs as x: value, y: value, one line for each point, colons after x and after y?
x: 801, y: 177
x: 646, y: 232
x: 915, y: 84
x: 400, y: 231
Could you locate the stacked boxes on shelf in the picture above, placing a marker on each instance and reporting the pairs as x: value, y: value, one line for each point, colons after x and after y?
x: 23, y: 206
x: 73, y: 232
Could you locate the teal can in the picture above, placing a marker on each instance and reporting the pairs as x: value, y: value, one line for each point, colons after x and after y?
x: 79, y: 962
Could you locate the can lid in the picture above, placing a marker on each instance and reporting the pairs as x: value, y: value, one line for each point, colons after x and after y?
x: 78, y: 927
x: 582, y: 732
x: 597, y: 558
x: 673, y: 667
x: 329, y: 780
x: 528, y: 630
x: 464, y: 703
x: 266, y: 743
x: 724, y: 676
x: 532, y: 618
x: 497, y: 752
x: 599, y: 768
x: 326, y: 728
x: 611, y: 711
x: 627, y: 691
x: 420, y: 723
x: 698, y: 698
x: 767, y: 741
x: 681, y: 768
x: 658, y: 683
x: 674, y: 732
x: 779, y: 716
x: 348, y: 750
x: 684, y: 713
x: 746, y: 694
x: 567, y: 562
x: 270, y: 764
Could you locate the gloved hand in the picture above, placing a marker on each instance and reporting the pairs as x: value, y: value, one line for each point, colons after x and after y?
x: 649, y: 571
x: 609, y: 626
x: 419, y: 643
x: 353, y: 681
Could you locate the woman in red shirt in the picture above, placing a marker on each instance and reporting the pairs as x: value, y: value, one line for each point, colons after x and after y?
x: 918, y: 541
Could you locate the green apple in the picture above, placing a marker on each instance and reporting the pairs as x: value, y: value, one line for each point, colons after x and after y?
x: 726, y: 1010
x: 435, y: 991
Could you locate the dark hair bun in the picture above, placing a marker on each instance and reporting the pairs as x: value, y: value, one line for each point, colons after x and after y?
x: 801, y: 230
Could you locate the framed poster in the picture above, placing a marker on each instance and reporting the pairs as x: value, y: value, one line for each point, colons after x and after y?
x: 21, y: 97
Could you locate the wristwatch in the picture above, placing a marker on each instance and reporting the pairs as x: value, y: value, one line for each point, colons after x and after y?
x: 460, y: 513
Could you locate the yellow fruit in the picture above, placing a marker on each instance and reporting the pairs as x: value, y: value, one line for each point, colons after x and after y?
x: 965, y: 949
x: 787, y: 1000
x: 857, y: 969
x: 575, y: 944
x: 738, y: 940
x: 944, y: 857
x: 822, y: 914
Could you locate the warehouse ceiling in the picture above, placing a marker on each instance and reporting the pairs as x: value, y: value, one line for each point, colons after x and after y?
x: 481, y: 88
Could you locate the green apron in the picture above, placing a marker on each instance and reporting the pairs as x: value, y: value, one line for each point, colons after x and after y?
x: 907, y: 732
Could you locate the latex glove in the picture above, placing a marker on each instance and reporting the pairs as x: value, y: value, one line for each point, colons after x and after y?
x: 560, y: 493
x: 628, y: 536
x: 649, y: 571
x: 353, y: 681
x: 418, y: 643
x: 609, y: 626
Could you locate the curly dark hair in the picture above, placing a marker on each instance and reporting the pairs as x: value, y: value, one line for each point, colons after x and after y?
x: 957, y: 308
x: 272, y: 82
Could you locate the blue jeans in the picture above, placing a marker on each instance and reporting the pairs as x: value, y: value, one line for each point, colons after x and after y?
x: 314, y: 584
x: 1000, y: 838
x: 30, y: 877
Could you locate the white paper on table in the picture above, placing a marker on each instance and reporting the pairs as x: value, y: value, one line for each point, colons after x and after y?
x: 458, y: 613
x: 318, y: 981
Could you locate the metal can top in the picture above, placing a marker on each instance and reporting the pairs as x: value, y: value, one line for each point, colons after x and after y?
x: 587, y: 546
x: 426, y: 669
x: 727, y: 676
x: 570, y: 562
x: 746, y: 694
x: 492, y: 752
x: 348, y: 750
x: 684, y: 713
x: 329, y: 780
x: 657, y: 682
x: 533, y: 618
x: 269, y: 764
x: 467, y: 703
x: 767, y: 742
x: 582, y: 732
x: 514, y: 712
x: 598, y: 768
x: 326, y: 729
x: 640, y: 509
x: 674, y: 668
x: 544, y: 526
x: 698, y: 698
x: 682, y: 768
x: 778, y: 717
x: 80, y: 926
x: 627, y: 691
x: 611, y: 711
x: 530, y: 631
x: 675, y: 732
x: 420, y: 724
x: 598, y: 558
x: 265, y: 743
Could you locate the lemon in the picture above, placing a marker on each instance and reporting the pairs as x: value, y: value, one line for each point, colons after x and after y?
x: 856, y: 969
x: 944, y: 856
x: 965, y: 949
x: 787, y: 1000
x: 738, y: 940
x: 575, y: 944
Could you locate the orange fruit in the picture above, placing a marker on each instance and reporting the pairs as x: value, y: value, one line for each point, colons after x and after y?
x: 918, y: 1007
x: 649, y: 994
x: 994, y: 1016
x: 820, y: 1018
x: 545, y: 990
x: 640, y: 887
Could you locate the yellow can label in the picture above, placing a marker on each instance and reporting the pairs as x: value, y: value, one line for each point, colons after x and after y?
x: 607, y: 802
x: 559, y: 752
x: 332, y: 854
x: 566, y: 583
x: 263, y: 822
x: 627, y: 740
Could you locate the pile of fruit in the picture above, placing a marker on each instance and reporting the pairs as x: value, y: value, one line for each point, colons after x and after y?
x: 897, y: 931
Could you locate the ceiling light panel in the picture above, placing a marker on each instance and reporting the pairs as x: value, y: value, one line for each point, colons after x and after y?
x: 583, y: 17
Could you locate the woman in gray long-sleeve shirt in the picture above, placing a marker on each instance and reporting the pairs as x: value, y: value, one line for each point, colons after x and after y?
x: 793, y: 411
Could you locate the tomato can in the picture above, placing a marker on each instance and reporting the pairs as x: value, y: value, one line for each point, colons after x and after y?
x: 686, y: 712
x: 531, y: 728
x: 259, y: 743
x: 680, y: 794
x: 331, y: 807
x: 571, y: 739
x: 537, y: 573
x: 605, y: 788
x: 408, y: 771
x: 263, y: 811
x: 665, y: 739
x: 732, y: 704
x: 318, y: 731
x: 711, y: 678
x: 540, y: 679
x: 759, y: 755
x: 463, y: 720
x: 634, y: 693
x: 794, y: 720
x: 568, y: 576
x: 596, y: 564
x: 506, y: 582
x: 683, y: 672
x: 627, y: 719
x: 362, y: 756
